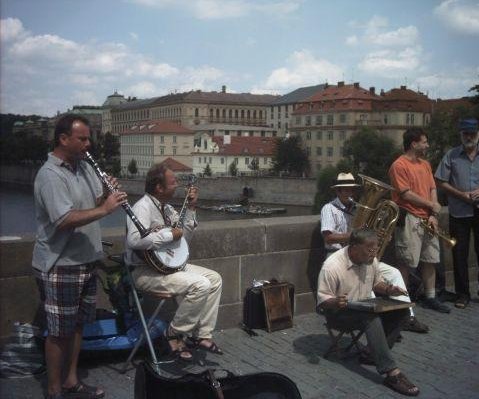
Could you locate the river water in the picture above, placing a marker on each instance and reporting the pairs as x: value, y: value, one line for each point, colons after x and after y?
x: 17, y: 214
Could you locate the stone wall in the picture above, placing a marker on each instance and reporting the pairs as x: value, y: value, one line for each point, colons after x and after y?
x: 286, y: 248
x: 270, y: 190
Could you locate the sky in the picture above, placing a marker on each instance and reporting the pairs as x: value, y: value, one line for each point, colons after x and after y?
x: 55, y: 54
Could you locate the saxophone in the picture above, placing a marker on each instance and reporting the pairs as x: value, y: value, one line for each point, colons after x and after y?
x: 376, y: 213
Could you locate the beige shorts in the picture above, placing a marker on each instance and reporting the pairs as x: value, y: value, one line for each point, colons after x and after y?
x: 414, y: 244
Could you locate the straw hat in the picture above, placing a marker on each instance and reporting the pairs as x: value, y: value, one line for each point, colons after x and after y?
x: 345, y: 180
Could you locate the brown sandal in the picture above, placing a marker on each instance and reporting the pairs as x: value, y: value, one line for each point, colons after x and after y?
x: 181, y: 352
x: 82, y: 391
x: 196, y: 344
x: 401, y: 384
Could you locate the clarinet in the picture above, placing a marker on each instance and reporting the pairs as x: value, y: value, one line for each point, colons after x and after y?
x: 126, y: 206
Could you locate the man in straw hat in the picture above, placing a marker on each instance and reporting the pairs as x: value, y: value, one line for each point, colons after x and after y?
x: 336, y: 218
x: 458, y: 175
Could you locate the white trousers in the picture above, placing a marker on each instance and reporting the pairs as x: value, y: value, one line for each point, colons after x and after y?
x: 198, y: 290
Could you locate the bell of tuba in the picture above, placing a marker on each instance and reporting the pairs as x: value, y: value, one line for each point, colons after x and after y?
x: 375, y: 213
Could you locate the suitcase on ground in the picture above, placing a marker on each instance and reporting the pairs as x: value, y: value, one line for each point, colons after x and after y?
x: 256, y: 314
x: 150, y: 385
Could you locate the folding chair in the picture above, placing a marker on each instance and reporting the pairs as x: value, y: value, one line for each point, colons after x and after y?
x: 161, y: 297
x: 355, y: 333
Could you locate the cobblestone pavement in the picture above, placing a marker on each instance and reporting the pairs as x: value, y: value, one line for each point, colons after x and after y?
x: 443, y: 363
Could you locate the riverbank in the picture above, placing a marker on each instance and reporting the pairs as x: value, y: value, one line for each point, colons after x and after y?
x: 264, y: 190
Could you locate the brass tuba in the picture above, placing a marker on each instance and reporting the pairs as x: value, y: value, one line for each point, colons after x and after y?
x: 375, y: 213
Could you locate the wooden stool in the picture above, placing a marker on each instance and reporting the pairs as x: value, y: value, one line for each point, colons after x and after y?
x: 355, y: 333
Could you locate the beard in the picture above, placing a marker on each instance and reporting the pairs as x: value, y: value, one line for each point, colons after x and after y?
x: 470, y: 144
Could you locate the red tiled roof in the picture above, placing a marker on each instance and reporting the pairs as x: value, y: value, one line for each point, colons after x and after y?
x: 450, y: 105
x: 404, y: 99
x: 158, y: 127
x: 355, y: 98
x: 176, y: 166
x: 338, y: 98
x: 255, y: 146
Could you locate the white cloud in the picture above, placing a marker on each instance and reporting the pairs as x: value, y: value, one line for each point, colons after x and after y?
x: 221, y: 9
x: 387, y: 63
x: 400, y: 37
x: 460, y: 16
x: 134, y: 35
x: 302, y: 69
x: 60, y: 73
x: 352, y: 40
x: 143, y: 89
x: 450, y: 84
x: 10, y: 29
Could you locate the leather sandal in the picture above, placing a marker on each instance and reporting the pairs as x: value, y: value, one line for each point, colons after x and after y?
x: 181, y: 352
x: 401, y: 384
x: 82, y: 391
x: 196, y: 344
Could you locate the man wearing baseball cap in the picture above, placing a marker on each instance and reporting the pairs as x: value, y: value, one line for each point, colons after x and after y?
x: 458, y: 175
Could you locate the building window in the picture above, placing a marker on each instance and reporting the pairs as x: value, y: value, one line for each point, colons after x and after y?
x: 319, y: 135
x: 265, y: 161
x: 308, y: 121
x: 242, y: 114
x: 174, y: 150
x: 162, y: 150
x: 342, y: 118
x: 263, y: 133
x: 319, y: 119
x: 204, y: 159
x: 279, y: 124
x: 162, y: 139
x: 386, y: 119
x: 222, y: 161
x: 330, y: 119
x: 342, y: 135
x: 199, y: 159
x: 330, y: 151
x: 319, y: 151
x: 197, y: 112
x: 174, y: 139
x: 308, y: 135
x: 246, y: 161
x: 230, y: 113
x: 298, y: 120
x: 236, y: 161
x: 236, y: 113
x: 330, y: 135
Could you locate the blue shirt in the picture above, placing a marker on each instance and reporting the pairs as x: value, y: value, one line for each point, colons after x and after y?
x: 460, y: 172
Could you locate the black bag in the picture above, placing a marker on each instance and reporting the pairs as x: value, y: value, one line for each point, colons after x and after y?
x: 149, y: 385
x: 254, y: 309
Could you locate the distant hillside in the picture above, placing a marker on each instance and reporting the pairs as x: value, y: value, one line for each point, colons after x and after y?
x: 7, y: 121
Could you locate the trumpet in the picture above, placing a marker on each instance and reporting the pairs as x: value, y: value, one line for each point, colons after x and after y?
x: 448, y: 241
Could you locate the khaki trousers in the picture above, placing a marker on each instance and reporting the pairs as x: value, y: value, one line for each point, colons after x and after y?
x: 198, y: 290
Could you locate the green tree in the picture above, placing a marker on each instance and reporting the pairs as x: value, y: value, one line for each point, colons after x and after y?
x: 207, y: 170
x: 233, y: 169
x: 132, y: 167
x: 370, y: 153
x: 290, y: 157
